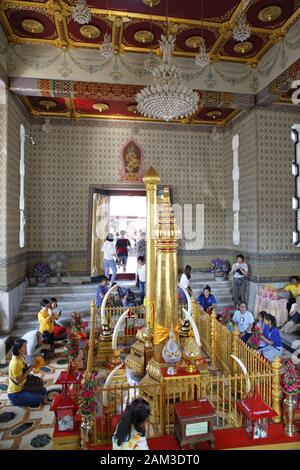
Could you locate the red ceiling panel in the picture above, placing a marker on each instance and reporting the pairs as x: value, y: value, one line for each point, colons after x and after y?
x: 287, y: 7
x: 209, y: 36
x: 258, y: 42
x: 59, y: 108
x: 75, y: 35
x: 131, y: 28
x: 85, y: 106
x: 17, y: 16
x: 212, y: 10
x: 202, y: 115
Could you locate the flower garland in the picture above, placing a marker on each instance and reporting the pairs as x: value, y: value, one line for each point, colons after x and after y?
x: 87, y: 397
x: 72, y: 345
x: 76, y: 322
x: 290, y: 379
x: 226, y: 318
x: 255, y: 337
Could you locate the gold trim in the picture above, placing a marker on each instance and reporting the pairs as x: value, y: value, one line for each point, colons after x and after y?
x: 90, y: 31
x: 269, y: 13
x: 193, y: 42
x: 143, y: 36
x: 32, y: 26
x: 243, y: 47
x: 100, y: 107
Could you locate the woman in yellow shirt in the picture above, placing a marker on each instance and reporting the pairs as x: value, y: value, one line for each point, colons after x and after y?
x: 46, y: 318
x: 131, y: 431
x: 18, y: 373
x: 293, y: 288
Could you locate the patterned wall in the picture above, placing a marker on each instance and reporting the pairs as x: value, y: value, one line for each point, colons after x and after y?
x: 76, y: 154
x: 266, y: 188
x: 13, y: 259
x: 246, y: 128
x: 3, y: 199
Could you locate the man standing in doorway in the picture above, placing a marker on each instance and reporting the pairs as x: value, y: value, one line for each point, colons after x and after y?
x: 240, y: 272
x: 122, y: 249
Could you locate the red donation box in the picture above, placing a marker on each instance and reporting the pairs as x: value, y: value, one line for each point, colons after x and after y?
x: 194, y: 422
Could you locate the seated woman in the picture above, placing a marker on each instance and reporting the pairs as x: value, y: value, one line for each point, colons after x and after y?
x: 270, y: 343
x: 260, y: 320
x: 206, y: 300
x: 131, y: 430
x: 19, y: 391
x: 294, y: 324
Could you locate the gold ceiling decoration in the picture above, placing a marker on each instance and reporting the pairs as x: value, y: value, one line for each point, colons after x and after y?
x: 243, y: 47
x: 214, y: 114
x: 48, y: 104
x: 151, y: 3
x: 32, y: 26
x: 132, y: 108
x: 144, y: 36
x: 90, y: 31
x: 270, y: 13
x: 100, y: 107
x: 194, y: 42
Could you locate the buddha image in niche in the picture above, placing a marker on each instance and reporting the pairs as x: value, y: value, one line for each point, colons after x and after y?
x: 132, y: 162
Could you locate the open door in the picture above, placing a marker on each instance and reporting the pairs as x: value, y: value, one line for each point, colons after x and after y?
x: 100, y: 225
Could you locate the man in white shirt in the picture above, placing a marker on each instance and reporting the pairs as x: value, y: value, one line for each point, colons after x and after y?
x: 185, y: 283
x: 244, y: 321
x: 240, y: 273
x: 141, y: 276
x: 35, y: 344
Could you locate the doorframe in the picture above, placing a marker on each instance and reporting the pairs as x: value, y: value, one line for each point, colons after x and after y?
x: 118, y: 190
x: 110, y: 190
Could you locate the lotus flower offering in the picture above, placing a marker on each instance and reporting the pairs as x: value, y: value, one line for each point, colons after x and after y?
x: 191, y: 352
x: 171, y: 354
x: 39, y: 361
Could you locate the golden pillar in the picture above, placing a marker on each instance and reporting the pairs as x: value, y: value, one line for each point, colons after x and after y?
x: 276, y: 388
x: 151, y: 180
x: 166, y: 296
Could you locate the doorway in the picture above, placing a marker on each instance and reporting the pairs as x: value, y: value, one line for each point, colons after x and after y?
x: 115, y: 211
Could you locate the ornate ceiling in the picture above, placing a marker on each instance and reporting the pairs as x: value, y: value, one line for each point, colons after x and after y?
x: 93, y: 100
x: 135, y: 28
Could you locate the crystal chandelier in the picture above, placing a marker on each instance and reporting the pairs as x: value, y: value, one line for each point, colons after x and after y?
x: 80, y: 13
x: 150, y: 63
x: 242, y: 30
x: 106, y: 48
x: 202, y: 58
x: 167, y: 98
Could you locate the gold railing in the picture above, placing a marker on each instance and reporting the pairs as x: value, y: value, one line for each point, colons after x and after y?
x: 219, y: 343
x: 223, y: 392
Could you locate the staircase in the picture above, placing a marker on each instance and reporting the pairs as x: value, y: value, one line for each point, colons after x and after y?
x: 78, y: 297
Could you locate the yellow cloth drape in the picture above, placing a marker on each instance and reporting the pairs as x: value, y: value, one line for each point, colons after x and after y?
x: 161, y: 333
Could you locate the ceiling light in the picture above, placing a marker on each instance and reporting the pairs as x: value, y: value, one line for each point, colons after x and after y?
x: 242, y: 30
x: 81, y: 13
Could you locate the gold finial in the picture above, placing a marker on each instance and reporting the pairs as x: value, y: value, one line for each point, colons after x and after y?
x: 151, y: 176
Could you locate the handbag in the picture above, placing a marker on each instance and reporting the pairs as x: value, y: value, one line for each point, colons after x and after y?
x: 33, y: 384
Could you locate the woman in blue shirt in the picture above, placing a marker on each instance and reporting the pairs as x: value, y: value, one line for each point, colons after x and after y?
x: 206, y: 299
x: 270, y: 344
